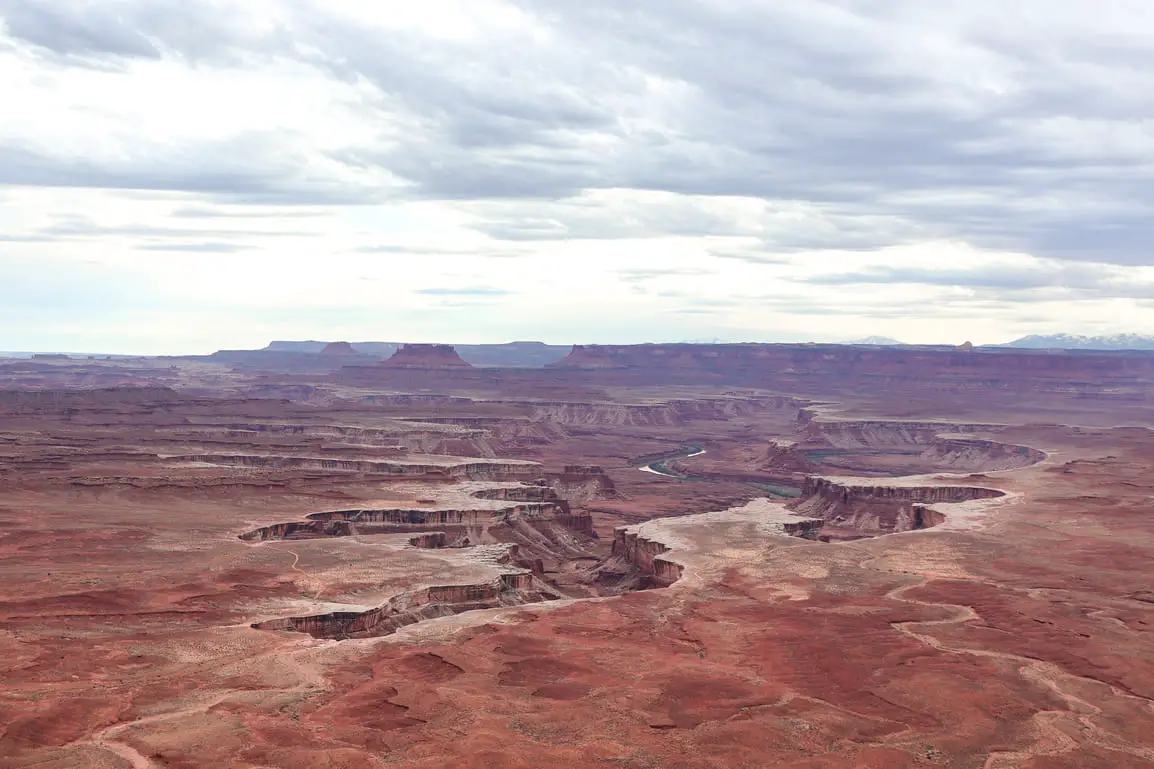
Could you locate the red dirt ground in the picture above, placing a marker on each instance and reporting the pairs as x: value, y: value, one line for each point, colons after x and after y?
x: 1019, y: 632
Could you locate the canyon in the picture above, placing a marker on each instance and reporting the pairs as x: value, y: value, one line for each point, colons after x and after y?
x: 655, y: 555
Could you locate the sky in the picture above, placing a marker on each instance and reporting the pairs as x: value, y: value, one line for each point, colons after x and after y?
x: 179, y: 177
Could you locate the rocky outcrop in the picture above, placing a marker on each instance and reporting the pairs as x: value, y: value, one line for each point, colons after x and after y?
x: 644, y: 554
x: 434, y: 540
x: 581, y: 484
x: 784, y: 458
x: 424, y: 356
x: 853, y: 510
x: 510, y: 589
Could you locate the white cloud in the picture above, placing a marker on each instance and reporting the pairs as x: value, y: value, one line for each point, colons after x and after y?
x: 177, y: 177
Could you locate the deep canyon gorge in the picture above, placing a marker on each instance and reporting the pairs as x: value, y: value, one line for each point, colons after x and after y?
x: 659, y: 555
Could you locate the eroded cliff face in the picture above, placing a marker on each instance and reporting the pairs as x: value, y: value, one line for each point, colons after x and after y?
x: 615, y: 414
x: 878, y: 433
x: 538, y: 519
x: 431, y: 541
x: 856, y: 510
x: 733, y: 406
x: 547, y: 521
x: 40, y: 401
x: 929, y: 445
x: 815, y: 365
x: 489, y: 470
x: 581, y: 484
x: 639, y: 550
x: 670, y: 413
x: 509, y: 431
x: 785, y: 457
x: 514, y: 588
x: 974, y: 455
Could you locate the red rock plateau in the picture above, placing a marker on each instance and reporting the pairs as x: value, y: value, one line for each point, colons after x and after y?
x: 657, y: 556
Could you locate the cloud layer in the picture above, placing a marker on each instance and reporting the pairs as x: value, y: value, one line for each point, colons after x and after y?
x: 748, y: 169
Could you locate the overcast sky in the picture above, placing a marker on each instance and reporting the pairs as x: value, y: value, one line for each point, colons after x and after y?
x: 185, y: 175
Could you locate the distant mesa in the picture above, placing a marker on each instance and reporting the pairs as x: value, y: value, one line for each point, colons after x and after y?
x: 966, y: 347
x: 878, y: 341
x: 339, y: 348
x: 426, y: 356
x: 591, y: 356
x: 524, y: 354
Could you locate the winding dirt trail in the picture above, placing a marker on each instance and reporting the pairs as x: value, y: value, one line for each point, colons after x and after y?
x: 311, y: 680
x: 309, y: 578
x: 137, y: 760
x: 1055, y: 727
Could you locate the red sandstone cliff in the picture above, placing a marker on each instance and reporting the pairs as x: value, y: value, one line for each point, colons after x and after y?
x: 509, y: 589
x: 853, y: 510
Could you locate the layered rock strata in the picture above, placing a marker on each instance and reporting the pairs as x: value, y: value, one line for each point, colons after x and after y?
x: 513, y: 588
x: 433, y: 468
x: 876, y: 433
x: 538, y: 520
x: 852, y: 508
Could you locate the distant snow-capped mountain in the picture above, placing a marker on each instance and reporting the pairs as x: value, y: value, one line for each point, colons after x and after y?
x: 875, y: 340
x: 1079, y: 342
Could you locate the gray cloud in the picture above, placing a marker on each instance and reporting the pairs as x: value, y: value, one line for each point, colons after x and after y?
x: 90, y: 34
x: 78, y: 30
x: 214, y: 212
x: 248, y: 169
x: 1046, y: 281
x: 902, y: 121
